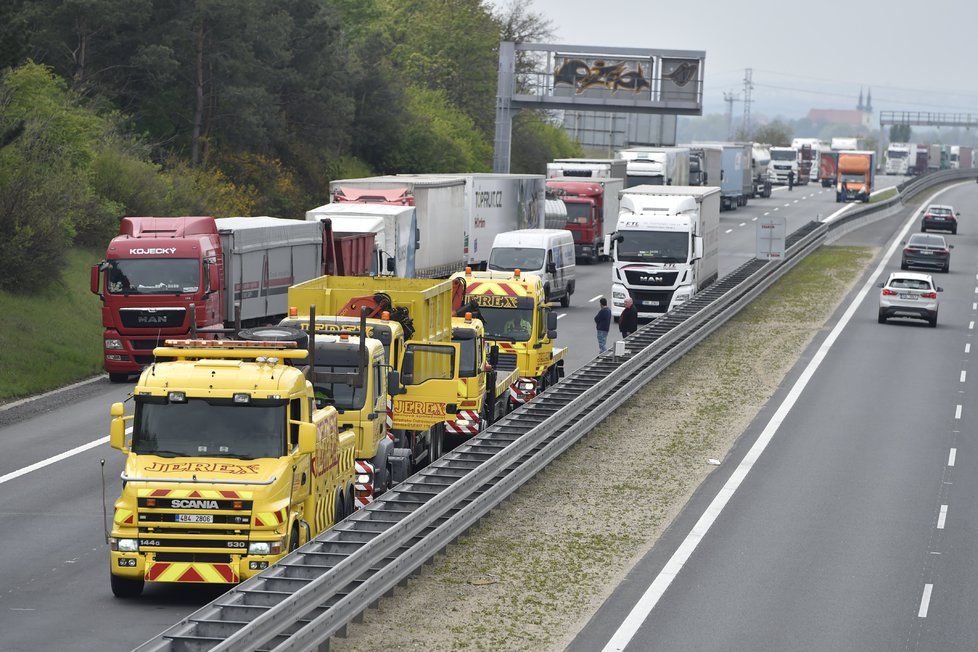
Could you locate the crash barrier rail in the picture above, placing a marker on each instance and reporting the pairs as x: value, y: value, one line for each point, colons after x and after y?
x: 315, y: 591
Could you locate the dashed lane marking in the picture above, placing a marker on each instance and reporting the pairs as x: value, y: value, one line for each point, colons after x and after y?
x: 951, y: 456
x: 964, y: 375
x: 743, y: 224
x: 728, y: 230
x: 957, y: 411
x: 925, y: 601
x: 942, y: 517
x: 593, y: 299
x: 561, y: 315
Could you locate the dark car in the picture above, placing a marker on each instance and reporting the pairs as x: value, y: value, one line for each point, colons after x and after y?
x: 942, y: 218
x: 926, y: 250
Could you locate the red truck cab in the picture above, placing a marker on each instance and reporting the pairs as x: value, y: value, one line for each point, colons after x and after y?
x: 153, y: 270
x: 585, y: 209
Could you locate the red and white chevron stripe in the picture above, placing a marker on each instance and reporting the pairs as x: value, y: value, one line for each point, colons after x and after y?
x: 518, y: 395
x: 472, y: 427
x: 363, y: 492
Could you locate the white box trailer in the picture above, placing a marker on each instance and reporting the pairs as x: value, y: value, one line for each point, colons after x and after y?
x: 494, y: 204
x: 440, y: 210
x: 666, y: 247
x: 589, y: 168
x: 263, y: 256
x: 395, y: 230
x: 655, y: 166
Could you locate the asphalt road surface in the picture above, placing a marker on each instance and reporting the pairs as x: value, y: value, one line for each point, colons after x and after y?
x: 55, y: 591
x: 845, y: 518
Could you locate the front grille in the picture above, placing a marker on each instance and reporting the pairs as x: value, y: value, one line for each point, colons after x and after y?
x: 152, y: 540
x: 506, y: 362
x: 145, y: 345
x: 144, y: 359
x: 203, y: 557
x: 642, y: 299
x: 152, y: 317
x: 640, y: 277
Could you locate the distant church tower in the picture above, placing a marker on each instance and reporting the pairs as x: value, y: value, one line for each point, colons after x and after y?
x: 860, y: 107
x: 869, y: 101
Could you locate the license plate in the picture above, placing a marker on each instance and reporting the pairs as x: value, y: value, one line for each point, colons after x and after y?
x: 650, y: 303
x: 912, y: 297
x: 195, y: 518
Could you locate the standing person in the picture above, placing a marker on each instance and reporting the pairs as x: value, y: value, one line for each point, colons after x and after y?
x: 602, y: 322
x: 791, y: 179
x: 628, y: 321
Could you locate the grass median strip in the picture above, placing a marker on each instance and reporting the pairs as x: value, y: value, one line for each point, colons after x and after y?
x: 533, y: 572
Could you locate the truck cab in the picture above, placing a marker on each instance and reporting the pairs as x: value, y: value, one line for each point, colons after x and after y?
x: 783, y: 161
x: 665, y: 248
x: 229, y: 465
x: 484, y: 389
x: 856, y: 175
x: 517, y: 319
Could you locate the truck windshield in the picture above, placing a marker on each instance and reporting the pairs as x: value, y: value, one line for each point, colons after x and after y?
x: 893, y: 154
x: 507, y: 324
x: 786, y: 155
x: 342, y: 396
x: 653, y: 247
x: 209, y: 428
x: 508, y: 259
x: 853, y: 178
x: 578, y: 212
x: 153, y: 275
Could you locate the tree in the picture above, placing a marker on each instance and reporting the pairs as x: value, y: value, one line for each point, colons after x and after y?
x: 775, y: 133
x: 900, y: 133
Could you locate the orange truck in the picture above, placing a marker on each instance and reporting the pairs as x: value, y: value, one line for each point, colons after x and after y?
x: 856, y: 174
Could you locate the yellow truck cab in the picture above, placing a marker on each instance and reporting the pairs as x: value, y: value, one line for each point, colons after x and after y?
x: 414, y: 316
x: 518, y: 320
x: 483, y: 389
x: 229, y: 465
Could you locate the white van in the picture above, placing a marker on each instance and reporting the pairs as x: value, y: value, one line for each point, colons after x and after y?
x: 548, y: 253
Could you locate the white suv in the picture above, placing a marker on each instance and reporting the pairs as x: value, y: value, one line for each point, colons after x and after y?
x: 906, y: 294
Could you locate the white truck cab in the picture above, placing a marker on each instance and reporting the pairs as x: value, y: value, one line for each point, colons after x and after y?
x: 783, y: 161
x: 665, y: 248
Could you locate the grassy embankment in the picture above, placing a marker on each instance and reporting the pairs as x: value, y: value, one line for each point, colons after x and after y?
x: 531, y: 574
x: 51, y: 337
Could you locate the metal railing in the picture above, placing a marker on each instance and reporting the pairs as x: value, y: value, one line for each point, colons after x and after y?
x: 314, y: 592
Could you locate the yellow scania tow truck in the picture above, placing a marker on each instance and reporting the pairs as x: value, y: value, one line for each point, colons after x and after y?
x: 229, y: 465
x: 519, y: 321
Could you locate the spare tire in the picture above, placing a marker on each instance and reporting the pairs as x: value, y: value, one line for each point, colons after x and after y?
x: 277, y: 334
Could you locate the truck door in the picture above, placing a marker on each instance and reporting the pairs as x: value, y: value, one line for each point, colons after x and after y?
x: 429, y: 377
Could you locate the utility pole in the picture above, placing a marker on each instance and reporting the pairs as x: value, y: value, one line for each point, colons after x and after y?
x: 748, y: 87
x: 730, y: 98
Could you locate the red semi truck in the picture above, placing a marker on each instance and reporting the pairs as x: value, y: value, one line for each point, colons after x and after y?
x: 828, y: 168
x: 592, y: 211
x: 160, y: 271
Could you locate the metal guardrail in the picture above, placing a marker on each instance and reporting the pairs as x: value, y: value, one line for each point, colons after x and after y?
x: 315, y: 591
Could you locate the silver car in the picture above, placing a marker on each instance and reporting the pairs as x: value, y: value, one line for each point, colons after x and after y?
x: 908, y: 294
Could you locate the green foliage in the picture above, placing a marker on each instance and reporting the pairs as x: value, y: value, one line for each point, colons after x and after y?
x: 900, y: 133
x: 775, y: 133
x: 540, y: 142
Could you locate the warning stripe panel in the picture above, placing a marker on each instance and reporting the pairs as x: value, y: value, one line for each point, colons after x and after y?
x: 192, y: 572
x: 194, y: 493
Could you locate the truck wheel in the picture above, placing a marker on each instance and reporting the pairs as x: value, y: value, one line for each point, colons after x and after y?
x: 565, y: 301
x: 118, y: 378
x: 123, y: 587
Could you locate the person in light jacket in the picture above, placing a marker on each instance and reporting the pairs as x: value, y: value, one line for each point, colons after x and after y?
x: 628, y: 321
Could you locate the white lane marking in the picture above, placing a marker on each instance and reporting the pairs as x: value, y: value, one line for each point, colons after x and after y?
x: 51, y: 460
x: 964, y: 375
x: 967, y: 347
x: 795, y: 202
x: 789, y: 204
x: 971, y: 326
x: 925, y: 601
x: 767, y: 213
x: 775, y: 208
x: 593, y: 299
x: 957, y: 411
x: 650, y: 598
x: 561, y: 315
x: 743, y: 224
x: 951, y: 456
x: 728, y: 230
x: 754, y: 219
x: 942, y: 517
x: 974, y: 306
x: 31, y: 399
x: 976, y: 290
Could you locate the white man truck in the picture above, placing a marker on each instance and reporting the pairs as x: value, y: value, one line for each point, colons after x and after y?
x: 900, y: 157
x: 660, y: 166
x: 784, y: 160
x: 665, y: 248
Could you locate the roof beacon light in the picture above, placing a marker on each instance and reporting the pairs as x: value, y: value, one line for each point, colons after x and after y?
x: 516, y: 273
x: 229, y: 344
x: 468, y: 316
x: 386, y: 315
x: 293, y: 311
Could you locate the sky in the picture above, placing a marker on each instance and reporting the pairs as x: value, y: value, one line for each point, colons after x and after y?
x: 916, y: 56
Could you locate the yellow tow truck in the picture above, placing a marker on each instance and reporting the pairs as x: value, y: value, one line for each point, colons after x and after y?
x: 229, y: 465
x: 519, y: 321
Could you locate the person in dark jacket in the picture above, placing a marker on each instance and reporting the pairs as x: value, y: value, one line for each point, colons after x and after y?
x: 602, y: 322
x: 628, y: 321
x: 791, y: 179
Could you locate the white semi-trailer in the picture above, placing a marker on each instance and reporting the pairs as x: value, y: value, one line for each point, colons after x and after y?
x: 665, y: 248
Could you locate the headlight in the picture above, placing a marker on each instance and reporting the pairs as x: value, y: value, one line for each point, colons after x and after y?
x: 265, y: 547
x: 113, y: 344
x: 127, y: 545
x: 363, y: 478
x: 526, y: 386
x: 617, y: 295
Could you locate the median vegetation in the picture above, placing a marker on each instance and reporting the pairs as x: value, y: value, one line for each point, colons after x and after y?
x: 536, y: 569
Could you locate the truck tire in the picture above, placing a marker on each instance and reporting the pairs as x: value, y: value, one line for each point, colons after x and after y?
x: 123, y: 587
x: 565, y: 300
x: 400, y: 463
x: 118, y: 378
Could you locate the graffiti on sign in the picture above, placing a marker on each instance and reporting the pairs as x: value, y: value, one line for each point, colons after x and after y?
x: 600, y: 74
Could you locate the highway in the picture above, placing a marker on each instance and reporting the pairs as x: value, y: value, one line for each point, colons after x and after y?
x: 845, y: 517
x: 55, y: 591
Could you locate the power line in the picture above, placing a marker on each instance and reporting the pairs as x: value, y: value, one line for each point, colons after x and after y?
x: 848, y: 96
x: 844, y: 81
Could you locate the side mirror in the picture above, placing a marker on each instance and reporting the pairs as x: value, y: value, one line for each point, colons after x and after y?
x: 308, y: 435
x: 117, y: 429
x: 393, y: 382
x: 391, y: 265
x: 551, y: 321
x: 904, y: 242
x: 494, y: 356
x: 958, y: 213
x: 697, y: 247
x: 940, y: 289
x: 94, y: 280
x: 881, y: 285
x: 619, y: 238
x: 950, y: 246
x: 607, y: 245
x: 407, y: 368
x: 213, y: 279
